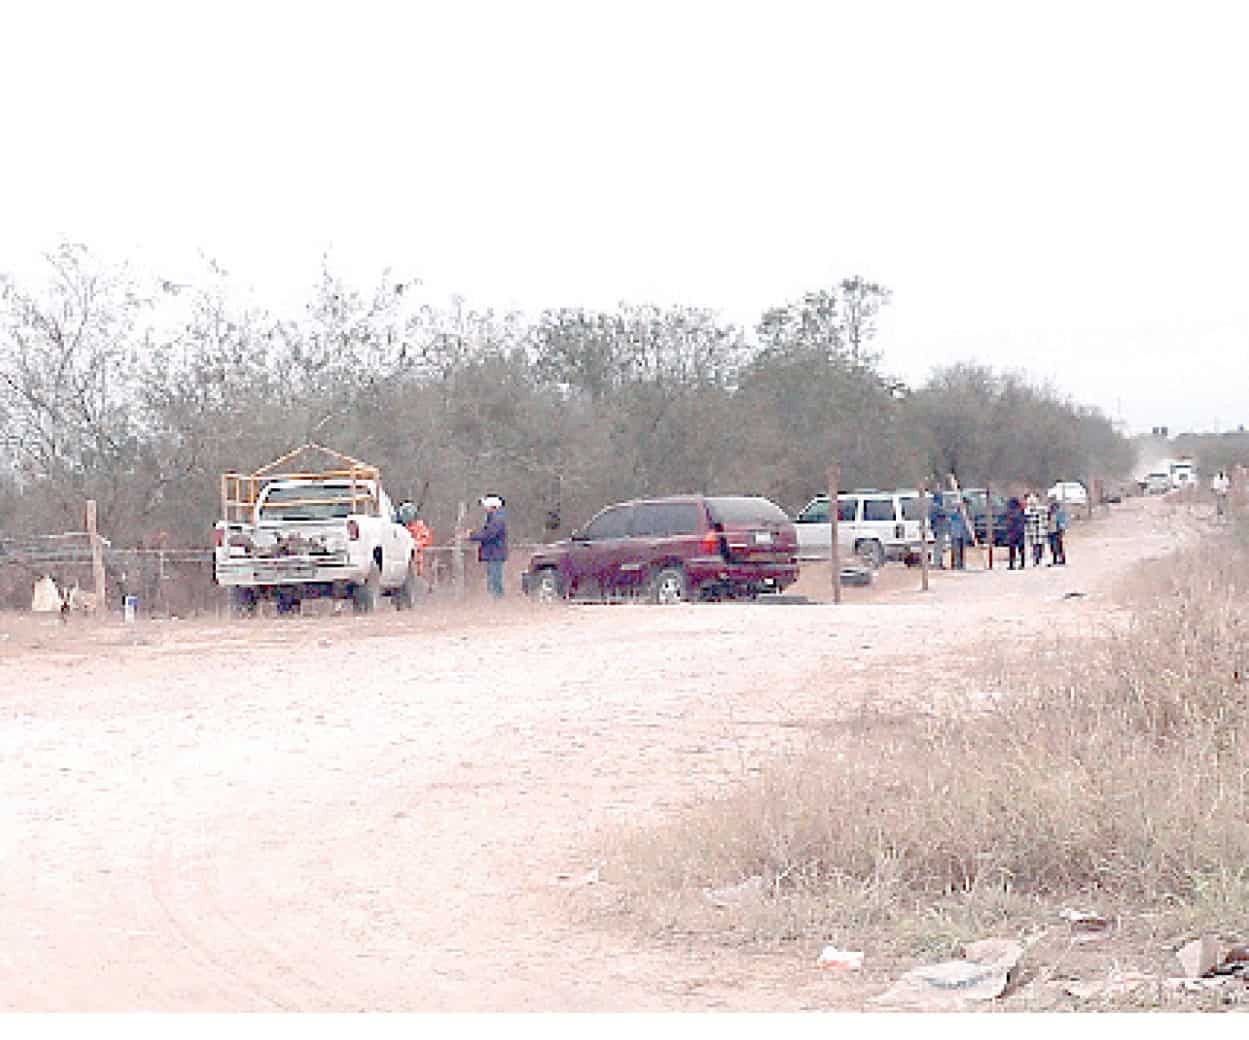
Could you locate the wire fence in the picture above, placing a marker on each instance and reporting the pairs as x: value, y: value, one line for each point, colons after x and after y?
x: 177, y: 580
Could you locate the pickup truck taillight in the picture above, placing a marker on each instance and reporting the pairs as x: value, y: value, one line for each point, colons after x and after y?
x: 353, y: 530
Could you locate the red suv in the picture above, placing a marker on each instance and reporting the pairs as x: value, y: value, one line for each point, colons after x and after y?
x: 671, y: 550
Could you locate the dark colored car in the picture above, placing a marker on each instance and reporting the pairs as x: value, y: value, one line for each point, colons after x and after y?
x: 670, y: 550
x: 975, y: 499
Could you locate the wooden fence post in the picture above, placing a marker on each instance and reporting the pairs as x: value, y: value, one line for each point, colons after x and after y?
x: 457, y: 552
x: 834, y: 554
x: 923, y: 534
x: 988, y: 519
x: 97, y: 559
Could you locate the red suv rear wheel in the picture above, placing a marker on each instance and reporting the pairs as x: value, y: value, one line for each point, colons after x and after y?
x: 670, y: 586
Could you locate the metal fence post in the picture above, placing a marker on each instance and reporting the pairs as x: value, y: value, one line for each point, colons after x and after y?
x: 457, y: 552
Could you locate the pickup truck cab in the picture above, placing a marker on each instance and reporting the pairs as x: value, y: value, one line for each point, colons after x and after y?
x: 316, y: 537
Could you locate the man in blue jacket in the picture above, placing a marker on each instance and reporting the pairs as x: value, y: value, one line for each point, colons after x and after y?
x: 491, y: 542
x: 960, y: 535
x: 939, y: 522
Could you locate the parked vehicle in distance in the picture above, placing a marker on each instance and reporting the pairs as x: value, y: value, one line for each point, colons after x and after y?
x: 876, y: 525
x: 670, y: 550
x: 1183, y: 474
x: 1156, y: 483
x: 1070, y: 492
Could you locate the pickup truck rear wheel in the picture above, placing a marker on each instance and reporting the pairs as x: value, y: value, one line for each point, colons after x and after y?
x: 242, y: 602
x: 412, y: 591
x: 669, y: 586
x: 872, y: 552
x: 546, y: 588
x: 367, y: 596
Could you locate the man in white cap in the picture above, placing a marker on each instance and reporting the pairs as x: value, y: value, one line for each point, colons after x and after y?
x: 491, y: 542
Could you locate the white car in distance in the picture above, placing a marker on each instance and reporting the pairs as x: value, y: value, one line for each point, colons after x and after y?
x: 1069, y: 492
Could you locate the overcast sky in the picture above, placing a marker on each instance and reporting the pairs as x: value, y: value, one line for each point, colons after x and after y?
x: 1057, y: 188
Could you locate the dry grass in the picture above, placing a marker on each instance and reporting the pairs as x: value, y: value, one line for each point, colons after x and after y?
x: 1117, y: 777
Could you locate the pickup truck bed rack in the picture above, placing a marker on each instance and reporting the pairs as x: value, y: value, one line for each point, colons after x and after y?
x: 239, y: 491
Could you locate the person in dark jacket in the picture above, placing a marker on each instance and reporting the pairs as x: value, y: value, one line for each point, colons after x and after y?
x: 939, y: 522
x: 960, y: 533
x: 491, y: 541
x: 1015, y: 533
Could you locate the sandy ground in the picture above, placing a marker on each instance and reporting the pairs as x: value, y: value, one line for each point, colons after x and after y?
x: 338, y: 814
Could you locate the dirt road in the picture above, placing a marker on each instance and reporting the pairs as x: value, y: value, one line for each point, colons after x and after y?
x: 340, y: 814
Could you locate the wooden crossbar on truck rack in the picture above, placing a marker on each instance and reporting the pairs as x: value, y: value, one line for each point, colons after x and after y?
x: 239, y: 491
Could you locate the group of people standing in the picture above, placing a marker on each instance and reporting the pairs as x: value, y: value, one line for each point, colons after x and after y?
x: 1031, y: 526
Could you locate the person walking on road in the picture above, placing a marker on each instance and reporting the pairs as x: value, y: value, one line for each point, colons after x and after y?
x: 1219, y: 486
x: 1015, y: 533
x: 491, y: 541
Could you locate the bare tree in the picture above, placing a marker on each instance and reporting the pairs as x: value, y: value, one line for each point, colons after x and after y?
x: 68, y: 353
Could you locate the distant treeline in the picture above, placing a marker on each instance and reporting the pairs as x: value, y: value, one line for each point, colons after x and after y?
x: 137, y: 392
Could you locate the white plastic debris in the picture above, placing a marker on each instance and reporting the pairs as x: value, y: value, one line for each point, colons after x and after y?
x: 834, y: 959
x: 951, y: 985
x: 1086, y: 926
x: 747, y: 891
x: 46, y: 598
x: 1199, y: 957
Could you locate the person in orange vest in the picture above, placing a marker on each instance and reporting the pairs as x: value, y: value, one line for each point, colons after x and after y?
x: 423, y: 537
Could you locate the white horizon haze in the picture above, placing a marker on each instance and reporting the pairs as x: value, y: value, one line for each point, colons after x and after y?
x: 1059, y: 191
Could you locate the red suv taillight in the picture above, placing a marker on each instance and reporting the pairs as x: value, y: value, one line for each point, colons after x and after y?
x: 710, y: 543
x: 353, y: 530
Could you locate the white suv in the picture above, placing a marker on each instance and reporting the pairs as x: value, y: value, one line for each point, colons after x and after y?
x: 877, y: 525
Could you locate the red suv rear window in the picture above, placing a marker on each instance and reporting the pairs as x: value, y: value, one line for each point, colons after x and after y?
x: 665, y: 519
x: 746, y: 511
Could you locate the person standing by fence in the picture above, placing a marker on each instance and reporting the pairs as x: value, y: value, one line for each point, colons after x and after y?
x: 939, y: 522
x: 491, y: 541
x: 1034, y: 527
x: 422, y: 538
x: 959, y: 535
x: 1057, y: 529
x: 1015, y: 533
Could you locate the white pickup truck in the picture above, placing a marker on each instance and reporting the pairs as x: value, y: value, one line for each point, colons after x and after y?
x: 288, y: 537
